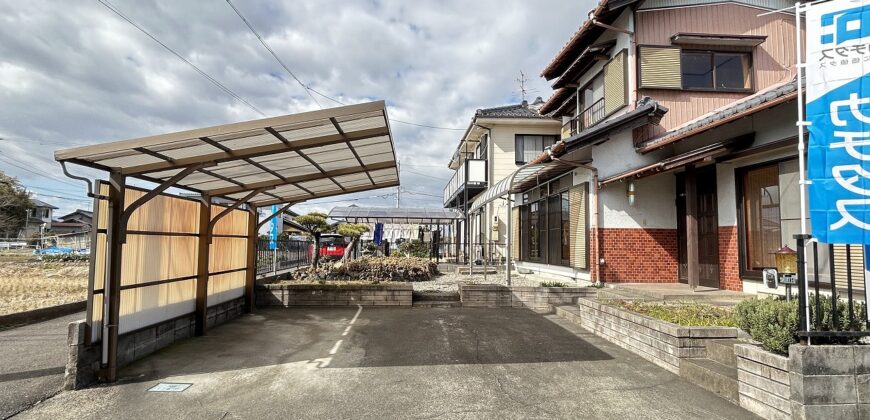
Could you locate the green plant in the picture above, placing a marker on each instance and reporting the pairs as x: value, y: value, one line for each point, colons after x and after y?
x: 774, y: 322
x: 314, y: 224
x: 553, y: 284
x: 683, y: 313
x: 414, y: 248
x: 352, y: 231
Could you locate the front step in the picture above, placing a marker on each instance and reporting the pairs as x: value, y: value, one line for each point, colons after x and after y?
x: 722, y: 351
x: 436, y: 304
x: 712, y: 376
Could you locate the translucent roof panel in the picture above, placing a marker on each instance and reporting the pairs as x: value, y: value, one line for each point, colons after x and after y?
x: 393, y: 216
x: 285, y: 159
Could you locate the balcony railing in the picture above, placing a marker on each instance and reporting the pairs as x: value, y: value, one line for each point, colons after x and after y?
x: 590, y: 116
x: 472, y: 172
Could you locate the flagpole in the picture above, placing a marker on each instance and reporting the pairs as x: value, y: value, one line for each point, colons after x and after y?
x: 801, y: 125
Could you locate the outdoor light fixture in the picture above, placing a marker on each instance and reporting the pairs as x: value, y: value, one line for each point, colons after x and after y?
x: 786, y: 260
x: 630, y: 193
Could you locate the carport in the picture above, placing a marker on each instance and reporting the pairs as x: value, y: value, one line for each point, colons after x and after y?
x: 158, y: 257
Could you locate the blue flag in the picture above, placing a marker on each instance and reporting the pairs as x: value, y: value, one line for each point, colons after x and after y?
x: 379, y: 233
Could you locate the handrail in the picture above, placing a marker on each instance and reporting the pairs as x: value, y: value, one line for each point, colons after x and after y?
x: 591, y: 115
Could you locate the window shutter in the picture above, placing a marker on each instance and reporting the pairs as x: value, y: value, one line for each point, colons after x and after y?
x: 578, y: 197
x: 615, y: 91
x: 856, y: 252
x: 515, y: 233
x: 660, y: 67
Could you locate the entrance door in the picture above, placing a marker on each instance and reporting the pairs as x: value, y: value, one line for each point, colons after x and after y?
x: 707, y: 237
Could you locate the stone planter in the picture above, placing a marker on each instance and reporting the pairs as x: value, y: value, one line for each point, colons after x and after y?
x: 829, y: 381
x: 763, y: 382
x: 289, y: 295
x: 660, y: 342
x: 538, y: 299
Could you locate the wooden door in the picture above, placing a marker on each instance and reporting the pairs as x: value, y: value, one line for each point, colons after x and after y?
x: 707, y: 236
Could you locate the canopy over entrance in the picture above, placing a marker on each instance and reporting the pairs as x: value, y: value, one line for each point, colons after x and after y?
x: 521, y: 180
x: 159, y: 259
x: 386, y: 215
x: 290, y: 158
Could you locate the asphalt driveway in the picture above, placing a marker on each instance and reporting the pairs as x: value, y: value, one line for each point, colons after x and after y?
x: 394, y: 363
x: 32, y: 361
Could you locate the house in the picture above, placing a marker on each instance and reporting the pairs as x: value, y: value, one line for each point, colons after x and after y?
x: 496, y: 142
x: 39, y: 218
x: 679, y: 133
x: 79, y: 221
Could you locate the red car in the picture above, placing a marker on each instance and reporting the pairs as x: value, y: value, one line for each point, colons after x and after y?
x: 332, y: 246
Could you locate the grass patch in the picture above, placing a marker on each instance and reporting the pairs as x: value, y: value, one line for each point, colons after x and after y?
x: 688, y: 314
x: 32, y: 285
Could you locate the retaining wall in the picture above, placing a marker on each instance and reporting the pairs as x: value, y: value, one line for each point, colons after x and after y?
x: 83, y: 362
x: 539, y: 299
x: 763, y: 382
x: 286, y: 295
x: 829, y: 381
x: 660, y: 342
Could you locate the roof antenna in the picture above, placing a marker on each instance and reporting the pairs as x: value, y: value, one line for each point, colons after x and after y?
x: 522, y: 81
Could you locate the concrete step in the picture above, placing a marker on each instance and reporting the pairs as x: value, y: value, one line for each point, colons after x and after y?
x: 712, y: 376
x: 434, y: 295
x: 722, y: 351
x: 436, y: 304
x: 569, y: 313
x: 617, y: 294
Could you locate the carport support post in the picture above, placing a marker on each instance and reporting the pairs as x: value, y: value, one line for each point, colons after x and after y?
x: 251, y: 272
x: 202, y: 265
x: 112, y: 284
x: 508, y: 250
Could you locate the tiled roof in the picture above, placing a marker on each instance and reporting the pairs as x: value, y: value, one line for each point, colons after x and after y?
x: 39, y: 203
x: 522, y: 110
x: 737, y: 109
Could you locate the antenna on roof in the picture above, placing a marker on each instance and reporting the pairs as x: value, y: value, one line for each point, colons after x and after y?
x: 524, y: 90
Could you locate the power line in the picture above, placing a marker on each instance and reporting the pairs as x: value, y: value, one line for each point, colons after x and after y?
x: 265, y: 45
x: 426, y: 175
x: 24, y: 168
x: 180, y: 57
x: 309, y: 89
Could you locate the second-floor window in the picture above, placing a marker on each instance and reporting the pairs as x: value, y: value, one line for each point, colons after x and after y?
x: 480, y: 152
x: 710, y: 70
x: 528, y: 147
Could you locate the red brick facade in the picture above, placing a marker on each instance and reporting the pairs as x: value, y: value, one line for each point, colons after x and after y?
x: 729, y: 270
x: 639, y: 255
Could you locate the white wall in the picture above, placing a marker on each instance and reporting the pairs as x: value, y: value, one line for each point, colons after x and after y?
x: 654, y: 204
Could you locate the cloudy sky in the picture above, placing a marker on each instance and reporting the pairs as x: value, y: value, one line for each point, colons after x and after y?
x: 74, y: 73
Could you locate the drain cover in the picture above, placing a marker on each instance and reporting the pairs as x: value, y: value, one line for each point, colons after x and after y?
x: 169, y: 387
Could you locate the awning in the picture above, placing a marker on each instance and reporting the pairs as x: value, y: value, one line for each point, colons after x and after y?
x: 290, y: 158
x: 386, y: 215
x: 521, y: 180
x: 746, y: 41
x: 678, y: 161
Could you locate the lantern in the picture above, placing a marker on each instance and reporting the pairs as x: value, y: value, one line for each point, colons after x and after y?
x: 786, y: 260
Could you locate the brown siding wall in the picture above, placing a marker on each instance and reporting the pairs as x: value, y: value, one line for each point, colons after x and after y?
x: 772, y: 61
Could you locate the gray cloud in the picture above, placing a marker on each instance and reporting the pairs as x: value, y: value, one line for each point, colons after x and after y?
x: 75, y: 73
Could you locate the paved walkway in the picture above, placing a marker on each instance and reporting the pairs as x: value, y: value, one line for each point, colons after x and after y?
x: 394, y: 363
x: 33, y: 360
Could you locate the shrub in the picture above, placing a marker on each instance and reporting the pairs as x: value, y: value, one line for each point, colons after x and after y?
x: 64, y: 257
x: 553, y: 284
x: 391, y: 268
x: 774, y: 322
x: 414, y: 248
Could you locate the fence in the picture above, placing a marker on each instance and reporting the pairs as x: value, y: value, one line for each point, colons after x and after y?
x: 286, y: 255
x: 492, y: 253
x: 843, y: 277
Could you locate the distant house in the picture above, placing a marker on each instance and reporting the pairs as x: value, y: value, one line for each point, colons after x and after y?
x: 37, y: 217
x: 79, y: 221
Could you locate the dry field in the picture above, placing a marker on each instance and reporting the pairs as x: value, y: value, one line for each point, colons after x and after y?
x: 26, y: 285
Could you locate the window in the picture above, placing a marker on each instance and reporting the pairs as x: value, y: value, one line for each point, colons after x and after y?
x: 534, y: 233
x: 528, y: 147
x: 566, y: 229
x: 481, y: 147
x: 707, y: 70
x: 762, y: 226
x: 547, y: 233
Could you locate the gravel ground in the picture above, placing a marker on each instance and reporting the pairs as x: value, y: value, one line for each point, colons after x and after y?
x: 449, y: 282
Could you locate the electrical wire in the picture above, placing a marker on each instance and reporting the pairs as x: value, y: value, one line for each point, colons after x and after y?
x: 24, y: 168
x: 180, y: 57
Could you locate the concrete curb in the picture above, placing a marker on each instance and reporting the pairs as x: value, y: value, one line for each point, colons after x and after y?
x: 20, y: 319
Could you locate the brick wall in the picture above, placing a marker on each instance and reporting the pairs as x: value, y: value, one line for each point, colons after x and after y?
x: 639, y: 255
x: 729, y: 271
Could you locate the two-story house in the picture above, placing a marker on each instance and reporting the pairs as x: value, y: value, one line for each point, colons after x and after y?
x: 679, y: 122
x: 497, y: 141
x: 38, y: 217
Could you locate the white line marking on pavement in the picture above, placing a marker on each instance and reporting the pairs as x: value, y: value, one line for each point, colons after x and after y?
x: 335, y: 347
x: 358, y: 311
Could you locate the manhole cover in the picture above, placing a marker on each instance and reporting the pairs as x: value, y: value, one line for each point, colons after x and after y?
x: 167, y: 387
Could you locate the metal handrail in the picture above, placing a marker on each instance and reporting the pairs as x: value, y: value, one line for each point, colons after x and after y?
x: 593, y: 114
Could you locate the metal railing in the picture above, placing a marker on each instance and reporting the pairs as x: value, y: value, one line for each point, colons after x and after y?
x: 590, y: 116
x: 286, y: 255
x: 476, y: 171
x: 814, y: 318
x: 491, y: 254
